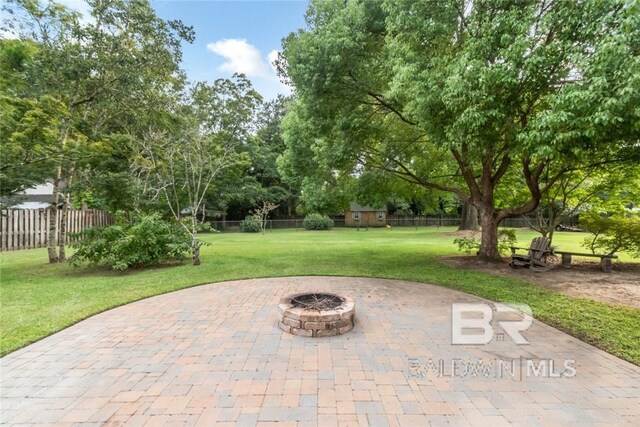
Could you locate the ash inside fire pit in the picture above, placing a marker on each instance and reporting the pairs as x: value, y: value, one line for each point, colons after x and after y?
x: 316, y: 314
x: 316, y: 301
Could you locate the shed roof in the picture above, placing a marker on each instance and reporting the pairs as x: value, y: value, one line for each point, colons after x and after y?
x: 354, y: 207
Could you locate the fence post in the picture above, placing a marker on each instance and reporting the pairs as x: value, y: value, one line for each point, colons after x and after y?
x: 3, y: 236
x: 37, y: 236
x: 32, y: 229
x: 16, y: 230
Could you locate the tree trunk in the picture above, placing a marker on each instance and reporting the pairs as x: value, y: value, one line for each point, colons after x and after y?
x: 62, y: 257
x: 66, y: 198
x: 51, y: 241
x: 554, y: 221
x: 542, y: 225
x: 468, y: 217
x: 53, y: 223
x: 195, y: 243
x: 195, y: 251
x: 489, y: 241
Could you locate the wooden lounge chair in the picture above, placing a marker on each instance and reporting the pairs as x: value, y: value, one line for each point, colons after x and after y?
x: 536, y: 257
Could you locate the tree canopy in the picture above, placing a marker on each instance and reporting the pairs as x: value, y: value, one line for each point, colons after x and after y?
x: 498, y: 106
x: 99, y: 106
x: 469, y: 97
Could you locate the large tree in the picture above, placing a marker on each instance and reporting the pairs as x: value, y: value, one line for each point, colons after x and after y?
x: 505, y: 93
x: 181, y: 166
x: 261, y: 181
x: 101, y: 70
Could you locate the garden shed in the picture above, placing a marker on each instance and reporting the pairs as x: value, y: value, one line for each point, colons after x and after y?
x: 358, y: 215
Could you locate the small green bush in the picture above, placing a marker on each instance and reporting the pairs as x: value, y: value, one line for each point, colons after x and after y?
x: 315, y: 221
x: 205, y: 227
x: 611, y: 234
x: 148, y: 240
x: 251, y: 224
x: 468, y: 245
x: 471, y: 245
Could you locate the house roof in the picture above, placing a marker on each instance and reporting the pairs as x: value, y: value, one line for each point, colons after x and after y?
x: 354, y: 207
x: 36, y: 197
x: 45, y: 189
x: 31, y: 205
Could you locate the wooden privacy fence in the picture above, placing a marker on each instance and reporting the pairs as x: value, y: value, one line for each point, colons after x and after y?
x: 29, y: 228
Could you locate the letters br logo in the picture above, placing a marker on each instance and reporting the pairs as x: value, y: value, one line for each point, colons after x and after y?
x: 472, y: 323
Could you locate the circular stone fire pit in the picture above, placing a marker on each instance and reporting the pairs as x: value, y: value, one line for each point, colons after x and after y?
x: 316, y: 314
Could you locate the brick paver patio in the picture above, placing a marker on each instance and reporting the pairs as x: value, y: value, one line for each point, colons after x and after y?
x: 215, y: 354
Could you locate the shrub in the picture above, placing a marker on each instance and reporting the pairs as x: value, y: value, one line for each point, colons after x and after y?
x: 612, y: 234
x: 471, y: 245
x: 468, y: 245
x: 205, y: 227
x: 148, y: 240
x: 315, y: 221
x: 251, y: 224
x: 506, y: 239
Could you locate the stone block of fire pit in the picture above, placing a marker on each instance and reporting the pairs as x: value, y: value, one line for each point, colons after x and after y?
x: 316, y: 314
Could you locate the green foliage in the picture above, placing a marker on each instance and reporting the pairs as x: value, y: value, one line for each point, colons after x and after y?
x: 28, y: 127
x: 477, y: 98
x: 205, y: 227
x: 201, y: 227
x: 316, y: 221
x: 251, y: 224
x: 506, y: 239
x: 184, y: 165
x: 78, y: 82
x: 16, y: 56
x: 29, y: 131
x: 262, y: 181
x: 613, y: 189
x: 471, y: 245
x: 610, y: 234
x: 147, y: 241
x: 309, y: 164
x: 468, y: 245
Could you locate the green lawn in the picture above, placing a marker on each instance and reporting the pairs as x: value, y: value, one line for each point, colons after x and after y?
x: 38, y: 298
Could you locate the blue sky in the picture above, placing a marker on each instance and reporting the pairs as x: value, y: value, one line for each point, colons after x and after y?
x: 231, y: 36
x: 235, y: 36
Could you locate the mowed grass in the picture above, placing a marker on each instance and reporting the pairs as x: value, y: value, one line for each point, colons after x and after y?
x: 38, y: 299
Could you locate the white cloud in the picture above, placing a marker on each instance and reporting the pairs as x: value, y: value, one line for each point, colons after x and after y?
x: 243, y: 57
x: 240, y: 57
